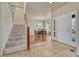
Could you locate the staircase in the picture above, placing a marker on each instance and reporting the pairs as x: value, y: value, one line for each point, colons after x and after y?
x: 16, y: 40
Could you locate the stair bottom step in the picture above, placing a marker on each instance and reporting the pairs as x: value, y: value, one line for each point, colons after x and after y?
x: 7, y: 51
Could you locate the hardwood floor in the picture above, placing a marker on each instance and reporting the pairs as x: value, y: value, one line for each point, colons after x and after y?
x: 57, y: 50
x: 37, y: 39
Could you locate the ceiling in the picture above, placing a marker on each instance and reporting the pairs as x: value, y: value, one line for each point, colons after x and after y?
x: 39, y: 10
x: 56, y: 5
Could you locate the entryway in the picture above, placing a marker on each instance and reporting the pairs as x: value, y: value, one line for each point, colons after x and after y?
x: 40, y: 33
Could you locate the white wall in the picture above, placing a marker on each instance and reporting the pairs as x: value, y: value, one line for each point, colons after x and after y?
x: 0, y: 21
x: 18, y: 16
x: 70, y: 7
x: 77, y: 32
x: 6, y: 23
x: 66, y: 9
x: 64, y: 29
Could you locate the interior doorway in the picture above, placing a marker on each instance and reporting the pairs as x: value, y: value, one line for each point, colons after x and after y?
x: 40, y: 31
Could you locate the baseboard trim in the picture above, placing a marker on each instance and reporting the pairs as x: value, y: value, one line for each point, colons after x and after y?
x: 64, y: 43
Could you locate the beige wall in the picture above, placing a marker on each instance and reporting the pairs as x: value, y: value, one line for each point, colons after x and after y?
x: 18, y: 16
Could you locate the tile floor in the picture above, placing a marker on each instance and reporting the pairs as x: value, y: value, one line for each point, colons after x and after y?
x: 57, y: 50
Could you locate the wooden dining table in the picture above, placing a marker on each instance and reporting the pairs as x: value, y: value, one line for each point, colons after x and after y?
x: 40, y: 32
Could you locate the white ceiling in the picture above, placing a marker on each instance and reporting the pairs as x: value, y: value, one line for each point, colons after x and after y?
x: 56, y: 5
x: 40, y: 10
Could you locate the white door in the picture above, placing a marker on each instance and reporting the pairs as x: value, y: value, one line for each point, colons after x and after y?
x: 64, y: 28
